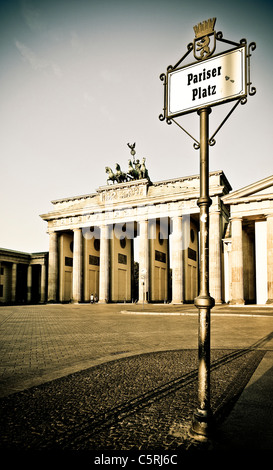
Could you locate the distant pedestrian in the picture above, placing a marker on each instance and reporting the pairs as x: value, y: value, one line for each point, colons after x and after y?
x: 91, y: 299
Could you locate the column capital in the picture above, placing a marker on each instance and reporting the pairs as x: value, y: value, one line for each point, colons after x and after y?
x: 143, y: 221
x: 52, y: 233
x: 215, y: 212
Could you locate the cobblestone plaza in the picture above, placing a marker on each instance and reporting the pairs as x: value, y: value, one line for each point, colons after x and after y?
x: 124, y: 377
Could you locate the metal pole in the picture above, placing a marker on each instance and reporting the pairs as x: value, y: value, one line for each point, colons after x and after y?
x: 201, y: 423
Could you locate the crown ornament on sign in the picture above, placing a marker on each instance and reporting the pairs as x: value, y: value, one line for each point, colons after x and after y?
x: 205, y: 28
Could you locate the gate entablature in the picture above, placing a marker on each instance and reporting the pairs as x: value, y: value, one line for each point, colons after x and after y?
x: 129, y: 210
x: 133, y: 201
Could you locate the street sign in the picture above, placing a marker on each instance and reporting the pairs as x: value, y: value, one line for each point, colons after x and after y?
x: 208, y: 83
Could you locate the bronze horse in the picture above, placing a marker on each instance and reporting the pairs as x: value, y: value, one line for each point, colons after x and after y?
x: 120, y: 176
x: 111, y: 175
x: 136, y: 171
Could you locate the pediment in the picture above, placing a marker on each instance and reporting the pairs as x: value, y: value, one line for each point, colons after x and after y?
x: 262, y: 189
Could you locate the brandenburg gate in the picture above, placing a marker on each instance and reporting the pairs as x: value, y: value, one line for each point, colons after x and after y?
x: 91, y: 246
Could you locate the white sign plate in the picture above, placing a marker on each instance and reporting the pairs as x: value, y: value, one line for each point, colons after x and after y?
x: 207, y: 83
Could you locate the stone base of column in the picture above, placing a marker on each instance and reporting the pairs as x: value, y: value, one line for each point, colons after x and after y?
x: 237, y: 302
x: 269, y: 301
x: 219, y: 302
x: 177, y: 302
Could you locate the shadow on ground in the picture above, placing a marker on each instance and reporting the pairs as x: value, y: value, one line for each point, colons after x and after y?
x: 143, y: 402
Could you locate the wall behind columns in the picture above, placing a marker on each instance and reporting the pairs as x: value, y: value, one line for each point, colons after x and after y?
x: 121, y: 268
x: 91, y: 267
x: 144, y: 267
x: 159, y: 261
x: 104, y: 264
x: 66, y: 247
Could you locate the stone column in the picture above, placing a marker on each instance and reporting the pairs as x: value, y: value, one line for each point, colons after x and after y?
x: 13, y: 281
x: 43, y: 283
x: 215, y: 257
x: 237, y: 280
x: 269, y: 259
x: 53, y: 267
x: 143, y: 261
x: 227, y: 270
x: 29, y: 276
x: 77, y: 266
x: 104, y: 264
x: 177, y: 262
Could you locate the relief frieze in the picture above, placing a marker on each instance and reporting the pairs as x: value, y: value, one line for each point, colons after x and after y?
x: 119, y: 194
x: 111, y: 215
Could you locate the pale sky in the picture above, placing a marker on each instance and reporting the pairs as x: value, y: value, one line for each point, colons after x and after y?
x: 80, y: 78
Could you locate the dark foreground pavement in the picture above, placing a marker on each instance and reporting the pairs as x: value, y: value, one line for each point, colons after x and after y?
x: 114, y: 381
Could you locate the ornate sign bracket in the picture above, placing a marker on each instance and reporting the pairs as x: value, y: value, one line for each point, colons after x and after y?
x: 202, y: 50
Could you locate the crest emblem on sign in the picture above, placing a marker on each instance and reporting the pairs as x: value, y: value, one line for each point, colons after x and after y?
x: 204, y: 32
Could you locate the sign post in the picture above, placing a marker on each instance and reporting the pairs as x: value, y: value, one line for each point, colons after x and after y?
x: 201, y: 424
x: 208, y: 82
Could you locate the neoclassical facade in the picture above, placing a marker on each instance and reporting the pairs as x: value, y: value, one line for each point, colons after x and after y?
x: 23, y: 277
x: 248, y: 244
x: 93, y: 239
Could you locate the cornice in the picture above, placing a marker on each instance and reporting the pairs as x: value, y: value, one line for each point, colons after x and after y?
x: 248, y: 192
x: 246, y: 200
